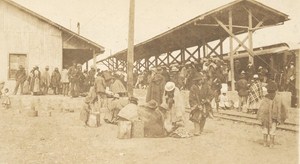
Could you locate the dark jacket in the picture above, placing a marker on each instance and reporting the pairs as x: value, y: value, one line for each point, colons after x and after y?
x: 242, y: 87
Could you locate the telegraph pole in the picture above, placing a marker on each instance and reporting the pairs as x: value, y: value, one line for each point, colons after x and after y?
x: 130, y: 52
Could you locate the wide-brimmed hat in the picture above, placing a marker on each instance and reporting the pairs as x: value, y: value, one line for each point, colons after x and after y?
x: 152, y: 104
x: 255, y: 76
x: 169, y: 86
x: 134, y: 99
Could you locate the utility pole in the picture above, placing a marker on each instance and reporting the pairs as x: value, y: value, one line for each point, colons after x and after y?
x: 130, y: 52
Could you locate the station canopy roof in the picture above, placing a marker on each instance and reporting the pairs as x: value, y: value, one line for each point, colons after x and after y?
x: 204, y: 27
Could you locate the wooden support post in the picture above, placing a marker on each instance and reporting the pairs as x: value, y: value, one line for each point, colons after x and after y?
x: 117, y: 64
x: 250, y: 33
x: 204, y: 49
x: 130, y: 54
x: 221, y: 47
x: 198, y: 50
x: 94, y: 58
x: 156, y: 61
x: 230, y: 52
x: 182, y: 53
x: 234, y: 37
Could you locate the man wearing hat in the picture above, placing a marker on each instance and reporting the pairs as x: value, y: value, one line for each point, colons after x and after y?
x: 91, y: 75
x: 130, y: 111
x: 250, y: 70
x: 262, y: 73
x: 242, y: 89
x: 20, y: 79
x: 153, y: 120
x: 156, y: 86
x: 271, y: 113
x: 74, y: 76
x: 199, y: 99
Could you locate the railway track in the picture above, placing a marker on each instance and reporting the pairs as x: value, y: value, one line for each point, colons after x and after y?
x: 251, y: 120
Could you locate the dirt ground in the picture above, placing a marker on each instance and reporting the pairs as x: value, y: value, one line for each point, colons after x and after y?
x: 62, y: 138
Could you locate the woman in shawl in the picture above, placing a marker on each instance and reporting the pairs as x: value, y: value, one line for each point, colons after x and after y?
x: 271, y: 112
x: 255, y: 95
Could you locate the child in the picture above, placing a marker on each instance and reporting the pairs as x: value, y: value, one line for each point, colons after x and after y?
x: 224, y: 103
x: 271, y: 113
x: 5, y: 99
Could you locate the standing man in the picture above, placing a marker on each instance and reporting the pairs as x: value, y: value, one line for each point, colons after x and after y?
x: 271, y: 113
x: 156, y: 86
x: 242, y: 88
x: 250, y: 70
x: 20, y: 79
x: 91, y: 76
x: 199, y: 99
x: 55, y: 80
x: 72, y: 78
x: 45, y: 80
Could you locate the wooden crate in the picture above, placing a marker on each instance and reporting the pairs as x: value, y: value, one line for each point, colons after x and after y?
x: 138, y: 129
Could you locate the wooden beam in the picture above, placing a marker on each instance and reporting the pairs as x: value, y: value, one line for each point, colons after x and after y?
x: 234, y: 37
x: 250, y: 33
x: 230, y: 52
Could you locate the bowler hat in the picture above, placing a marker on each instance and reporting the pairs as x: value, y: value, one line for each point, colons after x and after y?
x: 152, y: 104
x: 133, y: 99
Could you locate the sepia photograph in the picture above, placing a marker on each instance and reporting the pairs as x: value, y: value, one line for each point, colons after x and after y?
x: 149, y: 81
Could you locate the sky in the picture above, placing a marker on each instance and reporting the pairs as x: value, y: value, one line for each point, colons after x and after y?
x: 106, y: 21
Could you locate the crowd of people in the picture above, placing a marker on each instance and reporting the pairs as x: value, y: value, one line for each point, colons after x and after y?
x: 163, y: 113
x: 70, y: 81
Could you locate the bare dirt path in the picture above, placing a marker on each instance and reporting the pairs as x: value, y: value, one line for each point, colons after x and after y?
x: 62, y: 138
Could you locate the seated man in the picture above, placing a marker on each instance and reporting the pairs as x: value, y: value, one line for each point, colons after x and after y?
x: 130, y: 111
x: 153, y: 120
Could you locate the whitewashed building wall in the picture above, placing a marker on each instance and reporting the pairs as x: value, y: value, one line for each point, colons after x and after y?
x: 22, y: 33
